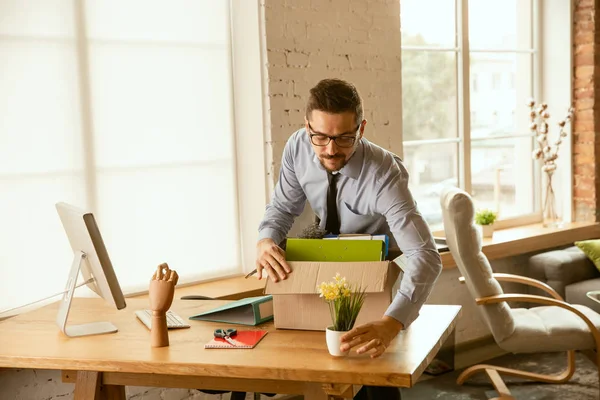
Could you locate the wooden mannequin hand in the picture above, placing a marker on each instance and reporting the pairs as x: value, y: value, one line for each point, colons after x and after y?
x: 162, y: 288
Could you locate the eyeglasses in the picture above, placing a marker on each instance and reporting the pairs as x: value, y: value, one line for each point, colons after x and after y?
x: 319, y: 139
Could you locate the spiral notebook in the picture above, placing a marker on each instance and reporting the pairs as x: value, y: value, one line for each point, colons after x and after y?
x: 243, y: 340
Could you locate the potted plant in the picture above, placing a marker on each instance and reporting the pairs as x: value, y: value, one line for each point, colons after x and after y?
x: 344, y: 303
x: 486, y: 219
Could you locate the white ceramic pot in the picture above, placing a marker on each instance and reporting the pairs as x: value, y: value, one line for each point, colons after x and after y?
x: 487, y: 230
x: 334, y: 340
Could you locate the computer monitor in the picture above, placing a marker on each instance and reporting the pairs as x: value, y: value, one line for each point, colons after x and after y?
x: 90, y: 259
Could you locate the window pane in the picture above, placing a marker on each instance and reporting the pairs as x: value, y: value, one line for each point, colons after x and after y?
x: 39, y: 110
x: 431, y: 171
x: 161, y: 173
x: 156, y: 104
x: 182, y: 21
x: 183, y: 216
x: 422, y: 27
x: 37, y: 18
x: 501, y: 85
x: 428, y: 95
x: 502, y: 24
x: 502, y: 175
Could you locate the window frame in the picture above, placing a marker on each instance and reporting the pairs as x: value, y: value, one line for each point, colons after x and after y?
x: 463, y: 52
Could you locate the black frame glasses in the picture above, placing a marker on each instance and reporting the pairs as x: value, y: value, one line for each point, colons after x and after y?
x: 340, y: 141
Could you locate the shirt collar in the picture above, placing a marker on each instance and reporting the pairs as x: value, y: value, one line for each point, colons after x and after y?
x: 353, y: 166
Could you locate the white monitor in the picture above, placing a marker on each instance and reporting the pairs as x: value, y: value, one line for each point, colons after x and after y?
x: 90, y: 258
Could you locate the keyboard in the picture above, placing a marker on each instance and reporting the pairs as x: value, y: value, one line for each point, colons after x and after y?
x: 174, y: 321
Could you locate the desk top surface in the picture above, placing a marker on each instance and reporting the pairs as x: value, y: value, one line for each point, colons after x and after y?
x: 33, y: 340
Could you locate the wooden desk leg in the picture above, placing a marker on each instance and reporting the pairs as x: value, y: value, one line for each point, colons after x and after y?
x: 327, y: 391
x: 444, y: 361
x: 88, y: 386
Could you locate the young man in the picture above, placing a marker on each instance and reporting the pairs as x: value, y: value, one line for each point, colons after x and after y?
x: 353, y: 186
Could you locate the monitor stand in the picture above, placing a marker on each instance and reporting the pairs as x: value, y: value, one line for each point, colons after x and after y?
x: 94, y: 328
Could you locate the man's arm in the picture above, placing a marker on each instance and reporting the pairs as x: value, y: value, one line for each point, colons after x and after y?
x: 395, y: 202
x: 414, y: 238
x: 287, y: 201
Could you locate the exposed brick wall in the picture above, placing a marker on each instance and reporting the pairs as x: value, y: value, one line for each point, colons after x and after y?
x: 356, y: 40
x: 586, y: 86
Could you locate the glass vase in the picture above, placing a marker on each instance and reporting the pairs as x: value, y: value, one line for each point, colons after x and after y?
x: 550, y: 214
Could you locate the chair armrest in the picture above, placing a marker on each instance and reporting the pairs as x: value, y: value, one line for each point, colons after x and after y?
x: 530, y: 298
x: 524, y: 280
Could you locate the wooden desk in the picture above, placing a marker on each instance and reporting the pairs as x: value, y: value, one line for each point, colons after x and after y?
x: 284, y: 361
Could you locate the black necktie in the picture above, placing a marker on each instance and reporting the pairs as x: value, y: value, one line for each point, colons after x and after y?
x: 333, y: 221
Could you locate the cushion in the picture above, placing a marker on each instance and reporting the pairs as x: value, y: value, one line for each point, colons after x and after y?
x: 591, y: 248
x: 550, y: 329
x: 576, y: 293
x: 560, y: 268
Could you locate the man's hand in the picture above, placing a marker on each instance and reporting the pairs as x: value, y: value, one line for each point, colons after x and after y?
x: 375, y: 335
x: 271, y: 259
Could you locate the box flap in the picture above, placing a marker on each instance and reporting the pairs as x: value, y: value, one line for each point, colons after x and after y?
x: 306, y: 276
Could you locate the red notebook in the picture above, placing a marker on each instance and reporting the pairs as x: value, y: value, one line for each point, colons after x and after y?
x: 243, y: 340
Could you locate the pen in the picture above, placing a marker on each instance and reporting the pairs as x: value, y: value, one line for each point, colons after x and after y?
x: 250, y: 274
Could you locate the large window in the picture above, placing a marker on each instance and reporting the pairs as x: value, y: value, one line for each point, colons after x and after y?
x: 124, y: 108
x: 469, y: 68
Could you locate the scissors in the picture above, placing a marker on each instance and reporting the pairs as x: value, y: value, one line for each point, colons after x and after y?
x: 226, y: 334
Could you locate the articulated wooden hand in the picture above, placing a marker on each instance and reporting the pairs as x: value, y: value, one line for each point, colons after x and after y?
x: 162, y: 289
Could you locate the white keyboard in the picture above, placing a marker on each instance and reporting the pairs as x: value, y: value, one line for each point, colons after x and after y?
x: 174, y: 321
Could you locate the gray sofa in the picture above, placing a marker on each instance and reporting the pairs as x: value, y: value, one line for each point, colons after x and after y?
x: 569, y: 272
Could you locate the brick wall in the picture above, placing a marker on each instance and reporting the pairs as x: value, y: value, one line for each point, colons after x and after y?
x: 356, y: 40
x: 309, y: 40
x: 586, y: 83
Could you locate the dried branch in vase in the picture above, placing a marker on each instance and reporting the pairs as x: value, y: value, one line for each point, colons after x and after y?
x: 546, y: 151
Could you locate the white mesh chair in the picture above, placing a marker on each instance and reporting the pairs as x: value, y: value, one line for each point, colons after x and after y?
x: 555, y: 326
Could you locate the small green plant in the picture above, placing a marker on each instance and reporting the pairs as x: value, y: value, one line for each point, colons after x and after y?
x: 344, y: 302
x: 485, y: 217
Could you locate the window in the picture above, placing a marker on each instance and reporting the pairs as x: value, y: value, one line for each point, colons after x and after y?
x: 472, y: 136
x: 125, y: 108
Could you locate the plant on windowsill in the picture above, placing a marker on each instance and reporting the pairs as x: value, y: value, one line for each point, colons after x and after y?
x: 345, y: 302
x: 486, y: 218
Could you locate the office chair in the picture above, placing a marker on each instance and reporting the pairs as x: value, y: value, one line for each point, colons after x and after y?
x: 555, y: 326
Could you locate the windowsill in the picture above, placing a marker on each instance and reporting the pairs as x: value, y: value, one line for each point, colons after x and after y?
x: 528, y: 238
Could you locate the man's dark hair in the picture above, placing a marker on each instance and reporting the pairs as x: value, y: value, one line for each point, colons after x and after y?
x: 335, y: 96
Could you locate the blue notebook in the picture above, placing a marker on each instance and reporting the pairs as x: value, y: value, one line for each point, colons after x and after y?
x: 248, y: 311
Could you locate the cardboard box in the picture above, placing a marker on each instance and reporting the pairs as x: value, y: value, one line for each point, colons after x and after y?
x: 296, y: 301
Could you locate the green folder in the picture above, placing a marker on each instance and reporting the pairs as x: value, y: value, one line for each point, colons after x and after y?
x: 248, y: 311
x: 334, y: 250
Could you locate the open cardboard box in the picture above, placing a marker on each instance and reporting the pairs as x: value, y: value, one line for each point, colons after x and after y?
x: 296, y: 301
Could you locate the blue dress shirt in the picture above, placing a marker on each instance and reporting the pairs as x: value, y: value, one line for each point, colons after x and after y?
x: 372, y: 197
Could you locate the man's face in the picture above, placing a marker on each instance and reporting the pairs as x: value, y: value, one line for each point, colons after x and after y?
x: 323, y: 126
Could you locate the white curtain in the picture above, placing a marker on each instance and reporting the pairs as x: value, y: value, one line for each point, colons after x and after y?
x: 123, y: 108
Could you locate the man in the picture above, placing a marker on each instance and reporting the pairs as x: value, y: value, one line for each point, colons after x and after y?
x: 331, y: 165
